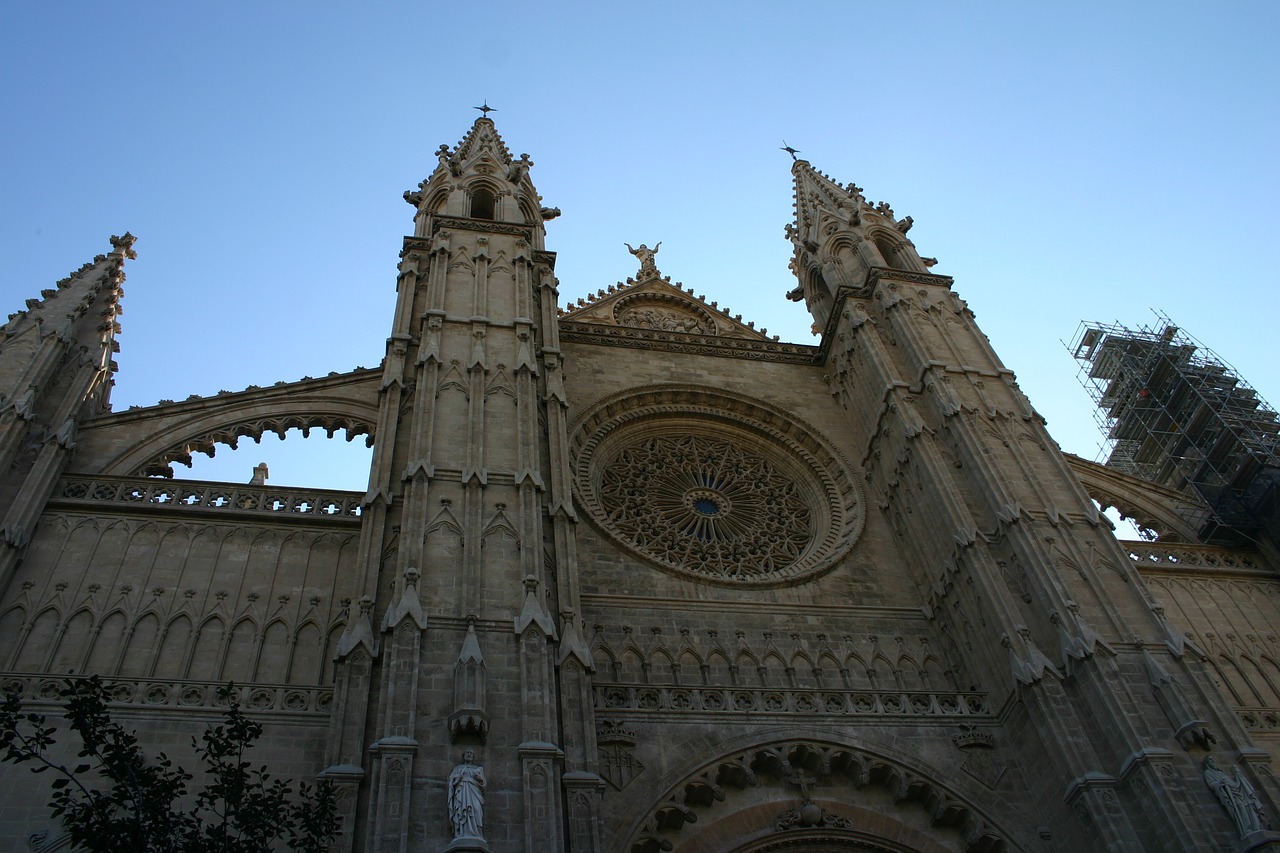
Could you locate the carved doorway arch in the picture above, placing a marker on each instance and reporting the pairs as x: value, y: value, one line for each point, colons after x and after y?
x: 823, y: 841
x: 813, y: 796
x: 863, y: 831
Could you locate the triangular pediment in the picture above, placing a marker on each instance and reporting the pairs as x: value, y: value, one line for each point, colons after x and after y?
x: 659, y: 305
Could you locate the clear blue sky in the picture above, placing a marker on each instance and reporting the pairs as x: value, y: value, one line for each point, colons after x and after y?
x: 1063, y: 161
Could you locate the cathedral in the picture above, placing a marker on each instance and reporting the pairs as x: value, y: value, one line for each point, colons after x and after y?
x: 630, y: 576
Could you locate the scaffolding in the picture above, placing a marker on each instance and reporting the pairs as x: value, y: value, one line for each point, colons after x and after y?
x: 1176, y: 414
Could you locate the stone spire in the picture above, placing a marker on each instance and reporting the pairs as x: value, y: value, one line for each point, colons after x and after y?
x: 839, y: 237
x: 55, y: 370
x: 480, y: 179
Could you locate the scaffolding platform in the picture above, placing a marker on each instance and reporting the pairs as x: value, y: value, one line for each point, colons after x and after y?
x: 1176, y: 414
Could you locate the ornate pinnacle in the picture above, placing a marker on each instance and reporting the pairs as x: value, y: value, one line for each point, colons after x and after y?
x: 124, y: 245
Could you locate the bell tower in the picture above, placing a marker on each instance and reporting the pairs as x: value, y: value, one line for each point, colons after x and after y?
x: 1013, y: 563
x: 467, y: 553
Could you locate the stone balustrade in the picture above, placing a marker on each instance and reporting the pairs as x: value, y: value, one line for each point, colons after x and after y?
x: 202, y: 496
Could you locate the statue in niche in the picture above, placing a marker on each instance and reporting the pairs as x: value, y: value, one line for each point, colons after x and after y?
x: 1236, y: 795
x: 645, y: 254
x: 466, y: 798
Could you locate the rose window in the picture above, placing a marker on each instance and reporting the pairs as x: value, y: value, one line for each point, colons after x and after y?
x: 714, y: 487
x: 706, y: 505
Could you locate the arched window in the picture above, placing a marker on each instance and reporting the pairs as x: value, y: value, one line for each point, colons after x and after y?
x: 482, y: 203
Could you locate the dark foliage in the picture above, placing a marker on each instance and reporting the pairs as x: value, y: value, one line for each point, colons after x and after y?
x: 117, y: 800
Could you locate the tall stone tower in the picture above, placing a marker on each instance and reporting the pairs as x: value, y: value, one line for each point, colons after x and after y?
x: 1015, y: 569
x: 631, y: 576
x: 468, y: 515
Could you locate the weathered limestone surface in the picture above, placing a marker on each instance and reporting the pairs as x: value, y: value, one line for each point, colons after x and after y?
x: 633, y: 576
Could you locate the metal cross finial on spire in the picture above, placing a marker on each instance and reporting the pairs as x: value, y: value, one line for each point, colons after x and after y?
x: 792, y: 151
x: 486, y: 109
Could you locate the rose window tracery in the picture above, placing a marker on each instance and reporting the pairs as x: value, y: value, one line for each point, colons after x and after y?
x: 715, y: 488
x: 706, y: 505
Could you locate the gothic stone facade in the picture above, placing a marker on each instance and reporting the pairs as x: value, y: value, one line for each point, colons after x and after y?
x: 675, y: 585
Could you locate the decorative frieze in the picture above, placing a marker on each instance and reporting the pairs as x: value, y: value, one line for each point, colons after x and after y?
x: 1259, y: 720
x: 688, y: 343
x: 613, y: 698
x: 41, y: 692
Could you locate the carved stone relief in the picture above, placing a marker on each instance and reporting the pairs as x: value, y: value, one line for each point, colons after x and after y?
x: 618, y: 763
x: 663, y: 313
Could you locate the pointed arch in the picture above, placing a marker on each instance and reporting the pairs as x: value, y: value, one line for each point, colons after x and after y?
x: 307, y: 663
x: 719, y: 669
x: 482, y: 200
x: 11, y: 622
x: 802, y: 669
x: 690, y: 664
x: 74, y: 643
x: 327, y: 660
x: 238, y: 663
x: 136, y: 660
x: 437, y: 200
x: 106, y: 646
x: 661, y: 667
x: 744, y: 660
x: 208, y: 645
x: 173, y: 654
x: 832, y: 672
x: 1233, y: 681
x: 273, y: 667
x: 34, y: 656
x: 530, y: 212
x: 936, y: 675
x: 633, y: 668
x: 771, y: 669
x: 603, y: 660
x: 1256, y: 677
x: 724, y: 800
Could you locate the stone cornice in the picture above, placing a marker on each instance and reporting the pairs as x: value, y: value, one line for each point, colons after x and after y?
x: 468, y: 224
x: 688, y: 344
x: 750, y: 606
x: 877, y: 274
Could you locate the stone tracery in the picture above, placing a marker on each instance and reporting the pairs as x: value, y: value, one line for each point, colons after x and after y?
x: 706, y: 505
x: 714, y: 487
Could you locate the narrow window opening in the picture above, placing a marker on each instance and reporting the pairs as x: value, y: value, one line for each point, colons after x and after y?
x: 890, y: 254
x: 482, y: 203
